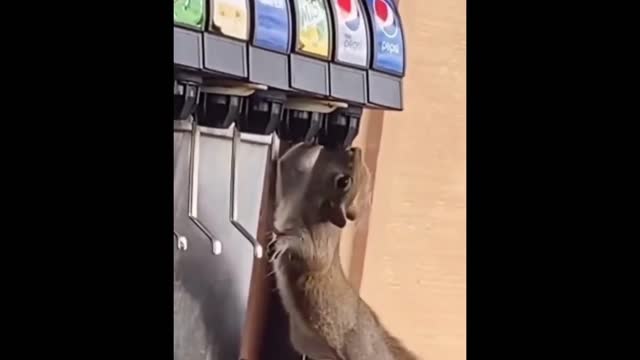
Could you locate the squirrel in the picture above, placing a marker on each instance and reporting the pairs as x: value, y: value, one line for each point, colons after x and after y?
x: 317, y: 190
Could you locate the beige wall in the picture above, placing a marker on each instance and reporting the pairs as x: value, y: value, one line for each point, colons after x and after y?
x: 415, y: 264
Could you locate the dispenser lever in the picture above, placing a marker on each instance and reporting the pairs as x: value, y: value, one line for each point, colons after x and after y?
x: 233, y: 203
x: 194, y: 165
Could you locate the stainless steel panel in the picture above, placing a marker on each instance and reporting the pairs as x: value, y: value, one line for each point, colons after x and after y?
x: 211, y: 291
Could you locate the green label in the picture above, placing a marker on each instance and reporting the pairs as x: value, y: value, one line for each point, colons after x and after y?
x: 189, y: 13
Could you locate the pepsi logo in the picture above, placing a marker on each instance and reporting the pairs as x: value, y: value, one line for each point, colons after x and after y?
x: 385, y: 20
x: 349, y: 13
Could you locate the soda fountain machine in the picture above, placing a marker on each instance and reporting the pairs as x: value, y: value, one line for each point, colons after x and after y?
x: 252, y: 77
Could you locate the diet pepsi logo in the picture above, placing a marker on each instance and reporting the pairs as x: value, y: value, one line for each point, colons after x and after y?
x: 384, y: 18
x: 349, y: 13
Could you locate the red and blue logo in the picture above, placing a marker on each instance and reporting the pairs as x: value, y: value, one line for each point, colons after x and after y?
x: 385, y: 19
x: 350, y: 13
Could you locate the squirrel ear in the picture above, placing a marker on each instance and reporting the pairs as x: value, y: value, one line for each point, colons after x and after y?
x: 335, y: 214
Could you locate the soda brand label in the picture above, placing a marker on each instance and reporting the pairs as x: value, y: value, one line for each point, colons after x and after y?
x: 313, y: 27
x: 352, y: 45
x: 189, y: 13
x: 230, y: 17
x: 388, y: 44
x: 272, y: 25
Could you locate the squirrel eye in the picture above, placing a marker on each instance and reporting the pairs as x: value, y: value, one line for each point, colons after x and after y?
x: 343, y: 182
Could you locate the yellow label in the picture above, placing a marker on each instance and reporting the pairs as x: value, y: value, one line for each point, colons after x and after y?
x: 230, y: 18
x: 313, y: 27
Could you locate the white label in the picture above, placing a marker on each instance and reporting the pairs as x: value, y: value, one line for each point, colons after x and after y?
x: 351, y: 40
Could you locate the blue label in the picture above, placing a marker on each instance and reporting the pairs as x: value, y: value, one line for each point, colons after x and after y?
x: 388, y: 47
x: 272, y: 26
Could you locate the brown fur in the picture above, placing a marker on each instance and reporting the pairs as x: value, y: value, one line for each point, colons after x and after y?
x: 328, y: 319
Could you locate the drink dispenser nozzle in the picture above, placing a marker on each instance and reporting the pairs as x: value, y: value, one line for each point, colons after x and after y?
x: 305, y: 117
x: 185, y: 99
x: 264, y: 112
x: 219, y: 110
x: 341, y: 127
x: 301, y: 126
